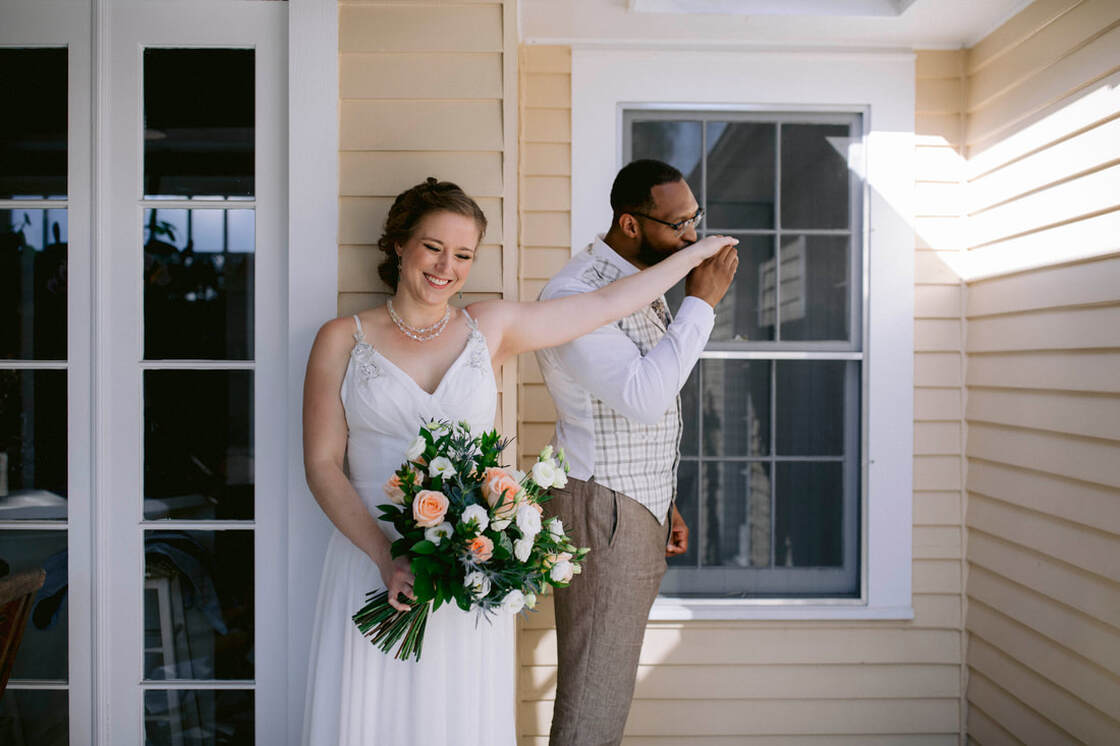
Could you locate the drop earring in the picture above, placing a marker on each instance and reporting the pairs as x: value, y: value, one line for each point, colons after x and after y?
x: 460, y: 295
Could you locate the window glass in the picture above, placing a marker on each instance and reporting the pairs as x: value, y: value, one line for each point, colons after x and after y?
x: 199, y: 123
x: 770, y: 449
x: 33, y: 127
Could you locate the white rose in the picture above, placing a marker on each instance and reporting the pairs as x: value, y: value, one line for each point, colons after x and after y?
x: 522, y: 548
x: 561, y: 572
x: 546, y: 453
x: 513, y: 602
x: 556, y: 528
x: 528, y: 520
x: 544, y: 474
x: 477, y: 583
x: 415, y: 448
x: 561, y: 478
x: 476, y: 513
x: 436, y: 534
x: 530, y: 600
x: 441, y: 466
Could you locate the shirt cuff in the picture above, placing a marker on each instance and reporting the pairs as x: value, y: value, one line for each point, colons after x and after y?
x: 697, y: 311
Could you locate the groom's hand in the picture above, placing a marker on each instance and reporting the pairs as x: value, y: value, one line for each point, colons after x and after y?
x: 711, y: 278
x: 678, y: 535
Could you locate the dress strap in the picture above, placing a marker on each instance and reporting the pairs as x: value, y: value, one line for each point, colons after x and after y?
x: 470, y: 321
x: 359, y: 336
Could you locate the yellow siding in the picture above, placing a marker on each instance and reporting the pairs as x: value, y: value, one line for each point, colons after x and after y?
x: 1043, y: 380
x: 422, y: 92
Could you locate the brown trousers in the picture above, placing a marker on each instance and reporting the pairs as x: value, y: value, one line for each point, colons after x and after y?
x: 601, y: 617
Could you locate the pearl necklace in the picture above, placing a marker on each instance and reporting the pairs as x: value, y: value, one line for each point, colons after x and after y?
x: 419, y: 334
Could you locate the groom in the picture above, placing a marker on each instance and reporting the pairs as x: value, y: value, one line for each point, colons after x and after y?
x: 618, y: 418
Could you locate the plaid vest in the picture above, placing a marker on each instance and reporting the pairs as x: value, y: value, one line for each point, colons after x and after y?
x: 638, y: 460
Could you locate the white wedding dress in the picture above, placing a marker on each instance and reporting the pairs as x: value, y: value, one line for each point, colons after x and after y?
x: 461, y: 691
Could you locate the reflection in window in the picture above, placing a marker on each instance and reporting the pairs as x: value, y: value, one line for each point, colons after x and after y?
x: 198, y: 605
x: 32, y: 445
x: 198, y: 123
x: 30, y: 716
x: 769, y: 478
x: 33, y: 284
x: 198, y: 444
x: 42, y: 653
x: 175, y: 716
x: 33, y: 125
x: 198, y: 284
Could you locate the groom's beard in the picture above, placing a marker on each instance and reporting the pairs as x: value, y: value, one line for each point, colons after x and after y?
x: 649, y: 255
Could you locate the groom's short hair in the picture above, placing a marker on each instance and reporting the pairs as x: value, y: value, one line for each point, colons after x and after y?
x: 632, y: 188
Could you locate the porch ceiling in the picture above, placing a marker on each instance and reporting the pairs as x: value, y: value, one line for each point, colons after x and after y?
x: 872, y: 24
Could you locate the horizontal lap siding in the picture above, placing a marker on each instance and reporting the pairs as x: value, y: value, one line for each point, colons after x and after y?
x: 422, y: 93
x: 1043, y: 378
x: 842, y: 683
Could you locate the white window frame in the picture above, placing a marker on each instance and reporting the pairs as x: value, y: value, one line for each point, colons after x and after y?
x: 881, y: 87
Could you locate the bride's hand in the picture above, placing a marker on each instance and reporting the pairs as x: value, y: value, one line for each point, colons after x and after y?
x: 398, y: 579
x: 709, y: 246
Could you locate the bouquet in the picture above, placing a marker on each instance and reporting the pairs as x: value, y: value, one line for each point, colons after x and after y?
x: 473, y: 531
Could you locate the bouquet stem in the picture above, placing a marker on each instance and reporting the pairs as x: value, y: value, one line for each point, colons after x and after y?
x: 386, y: 626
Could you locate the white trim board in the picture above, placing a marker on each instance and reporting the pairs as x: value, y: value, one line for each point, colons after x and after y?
x: 604, y: 82
x: 312, y: 299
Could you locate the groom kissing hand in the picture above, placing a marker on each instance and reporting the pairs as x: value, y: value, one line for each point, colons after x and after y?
x: 617, y: 395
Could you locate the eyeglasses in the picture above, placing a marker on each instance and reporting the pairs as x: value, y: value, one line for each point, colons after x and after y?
x: 678, y: 227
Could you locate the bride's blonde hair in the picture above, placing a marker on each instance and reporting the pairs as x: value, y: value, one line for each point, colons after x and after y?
x: 410, y: 207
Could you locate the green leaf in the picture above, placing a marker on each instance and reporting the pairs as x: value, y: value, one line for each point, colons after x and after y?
x: 423, y: 587
x: 424, y: 547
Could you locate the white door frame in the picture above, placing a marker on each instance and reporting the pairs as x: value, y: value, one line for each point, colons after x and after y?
x: 126, y: 28
x: 312, y: 299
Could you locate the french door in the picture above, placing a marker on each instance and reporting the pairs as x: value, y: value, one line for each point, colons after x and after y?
x: 173, y: 375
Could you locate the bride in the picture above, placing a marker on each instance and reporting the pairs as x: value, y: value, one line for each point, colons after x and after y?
x: 371, y: 379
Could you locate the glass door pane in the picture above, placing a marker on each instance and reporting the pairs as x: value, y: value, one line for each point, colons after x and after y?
x: 198, y: 284
x: 34, y: 374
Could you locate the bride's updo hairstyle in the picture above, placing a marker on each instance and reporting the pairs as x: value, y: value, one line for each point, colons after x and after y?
x: 409, y: 208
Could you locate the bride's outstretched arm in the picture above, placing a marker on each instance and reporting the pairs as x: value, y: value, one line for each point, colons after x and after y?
x: 324, y: 450
x: 526, y: 326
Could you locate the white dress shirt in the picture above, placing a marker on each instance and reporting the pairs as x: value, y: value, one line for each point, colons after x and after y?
x: 608, y: 365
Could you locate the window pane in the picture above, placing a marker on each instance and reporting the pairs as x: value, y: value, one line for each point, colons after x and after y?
x: 198, y: 604
x: 810, y: 520
x: 736, y: 405
x: 737, y: 513
x: 815, y: 400
x: 34, y: 717
x: 815, y: 183
x: 33, y: 127
x: 676, y: 143
x: 32, y: 445
x: 198, y: 284
x: 42, y: 651
x: 689, y: 506
x: 690, y: 415
x: 33, y: 284
x: 746, y: 312
x: 198, y: 716
x: 740, y: 176
x: 198, y: 122
x: 198, y: 444
x: 815, y: 285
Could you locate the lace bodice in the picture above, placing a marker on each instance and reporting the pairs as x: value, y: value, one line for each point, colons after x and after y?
x: 384, y: 406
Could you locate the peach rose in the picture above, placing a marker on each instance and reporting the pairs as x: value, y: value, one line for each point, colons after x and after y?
x: 501, y: 491
x: 481, y: 548
x: 393, y: 490
x: 429, y: 507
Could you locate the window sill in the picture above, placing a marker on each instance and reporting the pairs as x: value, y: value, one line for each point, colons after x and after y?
x: 740, y: 609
